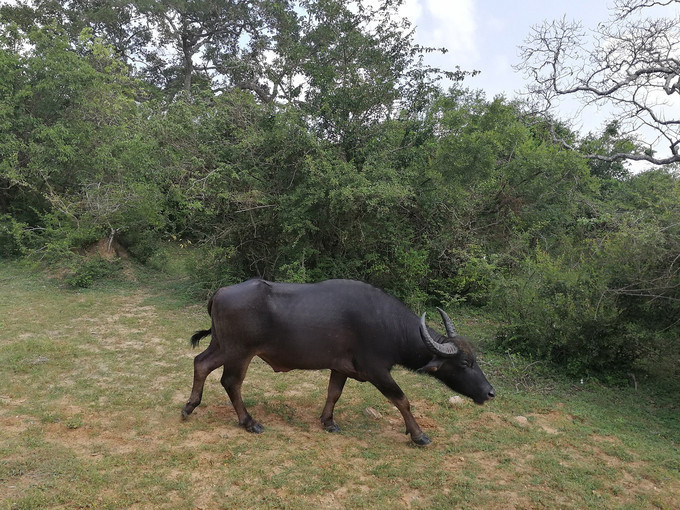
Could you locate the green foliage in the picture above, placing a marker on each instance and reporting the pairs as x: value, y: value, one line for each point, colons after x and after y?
x: 610, y: 298
x: 608, y: 143
x: 85, y: 271
x: 474, y: 279
x: 359, y: 62
x: 78, y: 148
x: 554, y: 311
x: 12, y: 234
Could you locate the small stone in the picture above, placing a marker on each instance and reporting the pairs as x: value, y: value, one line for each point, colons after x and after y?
x: 372, y: 413
x: 521, y: 421
x: 456, y: 401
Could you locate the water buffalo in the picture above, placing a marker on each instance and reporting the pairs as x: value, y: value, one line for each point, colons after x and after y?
x: 349, y: 327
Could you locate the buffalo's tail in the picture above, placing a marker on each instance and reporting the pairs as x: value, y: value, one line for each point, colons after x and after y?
x: 201, y: 333
x: 196, y: 337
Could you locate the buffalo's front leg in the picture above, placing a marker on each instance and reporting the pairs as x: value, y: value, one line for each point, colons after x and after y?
x: 392, y: 391
x: 232, y: 379
x: 335, y: 387
x: 204, y: 363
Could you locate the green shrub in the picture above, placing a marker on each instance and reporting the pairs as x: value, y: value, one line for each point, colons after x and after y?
x: 590, y: 311
x: 548, y: 312
x: 85, y: 271
x: 141, y: 244
x: 212, y: 268
x: 12, y: 234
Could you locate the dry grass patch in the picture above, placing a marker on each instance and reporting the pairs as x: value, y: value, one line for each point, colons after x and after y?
x: 92, y: 383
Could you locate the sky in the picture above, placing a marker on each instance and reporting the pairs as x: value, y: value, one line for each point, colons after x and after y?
x: 485, y: 35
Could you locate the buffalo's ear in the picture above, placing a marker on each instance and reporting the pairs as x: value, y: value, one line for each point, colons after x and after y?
x: 432, y: 366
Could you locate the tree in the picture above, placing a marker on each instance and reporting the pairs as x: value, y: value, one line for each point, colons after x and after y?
x: 631, y: 65
x: 607, y: 143
x: 173, y: 44
x: 118, y: 22
x: 75, y: 149
x: 361, y: 67
x: 192, y: 30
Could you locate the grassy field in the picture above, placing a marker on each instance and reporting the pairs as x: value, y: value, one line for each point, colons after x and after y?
x: 92, y: 383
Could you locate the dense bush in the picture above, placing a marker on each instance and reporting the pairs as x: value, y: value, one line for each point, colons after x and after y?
x: 558, y: 311
x: 610, y: 295
x: 12, y: 234
x: 85, y: 271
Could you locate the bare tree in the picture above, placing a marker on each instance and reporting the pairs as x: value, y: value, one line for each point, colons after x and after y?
x: 629, y: 65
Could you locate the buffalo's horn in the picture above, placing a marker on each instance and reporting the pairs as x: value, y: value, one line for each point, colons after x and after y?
x: 448, y: 324
x: 445, y: 350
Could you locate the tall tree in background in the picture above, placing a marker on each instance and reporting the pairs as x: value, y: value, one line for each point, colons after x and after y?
x: 360, y: 66
x: 197, y: 34
x: 631, y: 65
x: 77, y: 161
x: 118, y: 22
x: 173, y: 43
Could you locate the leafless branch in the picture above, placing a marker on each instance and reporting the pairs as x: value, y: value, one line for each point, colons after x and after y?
x: 630, y: 65
x: 265, y: 206
x: 624, y: 8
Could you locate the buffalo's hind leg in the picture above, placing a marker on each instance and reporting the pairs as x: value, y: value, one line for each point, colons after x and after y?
x: 204, y: 363
x: 232, y: 379
x: 335, y: 386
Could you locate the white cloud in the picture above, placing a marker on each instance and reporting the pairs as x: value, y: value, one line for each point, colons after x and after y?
x: 449, y: 24
x: 446, y: 24
x: 411, y: 10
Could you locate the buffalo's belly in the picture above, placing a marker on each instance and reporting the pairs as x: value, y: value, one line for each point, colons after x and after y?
x: 296, y: 355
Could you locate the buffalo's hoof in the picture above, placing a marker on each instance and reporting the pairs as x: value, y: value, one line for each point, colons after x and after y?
x: 255, y: 428
x: 332, y: 428
x: 186, y: 411
x: 422, y: 440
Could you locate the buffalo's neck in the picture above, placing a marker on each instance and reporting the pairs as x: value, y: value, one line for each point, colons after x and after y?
x: 414, y: 353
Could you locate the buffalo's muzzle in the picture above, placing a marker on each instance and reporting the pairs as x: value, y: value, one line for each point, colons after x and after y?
x: 489, y: 396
